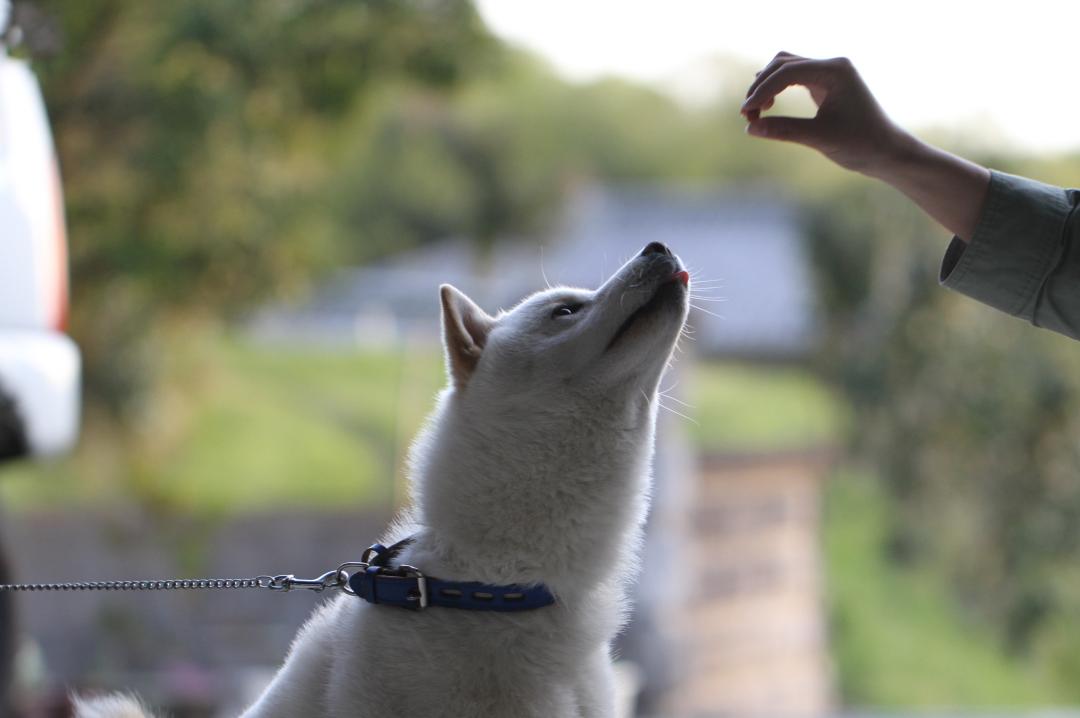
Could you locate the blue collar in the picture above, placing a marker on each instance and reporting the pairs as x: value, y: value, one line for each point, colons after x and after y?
x: 406, y: 586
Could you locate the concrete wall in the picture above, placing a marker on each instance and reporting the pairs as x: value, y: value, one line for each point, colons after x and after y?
x: 192, y: 651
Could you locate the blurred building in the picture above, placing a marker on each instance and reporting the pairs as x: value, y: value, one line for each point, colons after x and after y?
x: 744, y: 247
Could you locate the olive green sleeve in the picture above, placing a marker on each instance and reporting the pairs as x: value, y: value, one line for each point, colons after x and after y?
x: 1024, y: 258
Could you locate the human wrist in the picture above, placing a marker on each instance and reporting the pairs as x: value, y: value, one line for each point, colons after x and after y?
x: 949, y: 188
x: 897, y: 153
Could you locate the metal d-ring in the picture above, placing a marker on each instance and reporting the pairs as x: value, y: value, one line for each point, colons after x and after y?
x: 343, y: 574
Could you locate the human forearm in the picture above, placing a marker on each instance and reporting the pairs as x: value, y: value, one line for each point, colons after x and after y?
x: 950, y: 189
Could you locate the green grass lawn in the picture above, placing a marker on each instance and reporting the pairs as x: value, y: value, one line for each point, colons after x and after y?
x: 744, y: 408
x: 239, y: 427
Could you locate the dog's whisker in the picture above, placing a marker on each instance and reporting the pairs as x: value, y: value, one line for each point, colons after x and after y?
x: 542, y: 272
x: 706, y: 311
x: 668, y: 396
x: 678, y: 413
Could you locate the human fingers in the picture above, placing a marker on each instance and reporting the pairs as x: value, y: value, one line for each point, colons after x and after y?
x: 754, y: 114
x: 809, y: 73
x: 789, y: 129
x: 778, y: 60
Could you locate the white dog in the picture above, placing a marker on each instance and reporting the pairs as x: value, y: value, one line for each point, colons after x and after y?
x: 530, y: 487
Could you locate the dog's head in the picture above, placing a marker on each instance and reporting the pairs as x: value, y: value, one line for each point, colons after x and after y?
x: 571, y: 341
x: 540, y: 445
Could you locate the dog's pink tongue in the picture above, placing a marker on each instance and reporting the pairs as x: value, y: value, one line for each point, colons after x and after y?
x: 683, y: 277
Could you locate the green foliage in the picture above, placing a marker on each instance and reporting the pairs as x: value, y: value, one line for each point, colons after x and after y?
x: 899, y: 637
x: 199, y: 144
x: 218, y: 153
x: 965, y: 413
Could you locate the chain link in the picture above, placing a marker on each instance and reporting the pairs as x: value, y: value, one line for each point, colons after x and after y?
x: 336, y: 579
x: 167, y: 585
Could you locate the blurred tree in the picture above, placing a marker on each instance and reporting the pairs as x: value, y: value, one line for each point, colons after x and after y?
x: 495, y: 158
x: 216, y: 154
x: 970, y: 418
x: 197, y: 142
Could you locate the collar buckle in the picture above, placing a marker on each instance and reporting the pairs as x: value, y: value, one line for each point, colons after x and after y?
x: 406, y: 586
x: 421, y: 596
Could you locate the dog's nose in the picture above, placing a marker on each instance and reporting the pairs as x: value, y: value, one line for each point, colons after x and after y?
x: 655, y: 248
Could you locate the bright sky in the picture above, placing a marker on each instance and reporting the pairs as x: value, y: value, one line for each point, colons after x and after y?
x: 1007, y: 70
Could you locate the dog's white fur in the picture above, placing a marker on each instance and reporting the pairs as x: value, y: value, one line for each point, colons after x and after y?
x: 534, y: 468
x: 110, y: 707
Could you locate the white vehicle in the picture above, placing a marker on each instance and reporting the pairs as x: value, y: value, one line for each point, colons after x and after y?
x: 39, y: 364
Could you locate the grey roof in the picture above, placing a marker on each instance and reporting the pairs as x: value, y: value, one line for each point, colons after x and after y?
x: 750, y: 241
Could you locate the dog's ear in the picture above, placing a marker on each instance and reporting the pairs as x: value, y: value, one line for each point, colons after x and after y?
x: 465, y: 331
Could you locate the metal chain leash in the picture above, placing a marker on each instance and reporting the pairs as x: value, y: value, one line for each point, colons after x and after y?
x: 336, y: 579
x: 195, y: 583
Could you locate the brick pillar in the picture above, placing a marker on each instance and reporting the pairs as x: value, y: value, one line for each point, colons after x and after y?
x: 754, y: 628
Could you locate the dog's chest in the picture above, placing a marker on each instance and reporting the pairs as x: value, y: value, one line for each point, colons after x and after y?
x: 461, y: 663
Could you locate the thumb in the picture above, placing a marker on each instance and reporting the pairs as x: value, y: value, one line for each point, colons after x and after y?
x: 788, y: 129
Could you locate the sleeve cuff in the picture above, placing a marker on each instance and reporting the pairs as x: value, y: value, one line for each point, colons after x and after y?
x: 1014, y: 246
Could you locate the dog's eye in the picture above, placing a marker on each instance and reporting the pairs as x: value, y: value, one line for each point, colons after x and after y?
x: 565, y: 310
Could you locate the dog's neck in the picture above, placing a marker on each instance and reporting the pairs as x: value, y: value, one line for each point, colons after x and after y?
x: 556, y: 497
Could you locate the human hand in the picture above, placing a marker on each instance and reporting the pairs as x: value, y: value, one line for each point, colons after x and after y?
x: 850, y: 127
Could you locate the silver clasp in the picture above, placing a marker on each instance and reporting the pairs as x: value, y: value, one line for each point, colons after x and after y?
x: 339, y: 579
x: 287, y: 582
